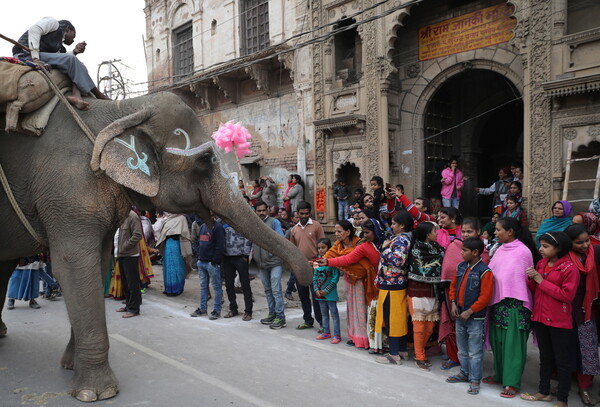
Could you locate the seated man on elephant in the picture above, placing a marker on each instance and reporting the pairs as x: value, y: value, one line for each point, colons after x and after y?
x: 45, y: 40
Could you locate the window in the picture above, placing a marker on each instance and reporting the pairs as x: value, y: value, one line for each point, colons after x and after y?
x: 183, y: 52
x: 348, y: 53
x: 582, y: 15
x: 255, y: 25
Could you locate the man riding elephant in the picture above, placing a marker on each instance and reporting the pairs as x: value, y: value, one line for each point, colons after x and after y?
x: 45, y: 40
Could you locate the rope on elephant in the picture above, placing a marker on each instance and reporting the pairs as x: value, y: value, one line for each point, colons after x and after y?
x: 17, y: 208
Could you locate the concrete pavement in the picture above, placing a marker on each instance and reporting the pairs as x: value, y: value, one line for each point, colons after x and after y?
x: 166, y: 358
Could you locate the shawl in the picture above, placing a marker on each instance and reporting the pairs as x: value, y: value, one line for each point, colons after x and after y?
x: 595, y: 207
x: 452, y: 257
x: 361, y: 270
x: 591, y: 281
x: 176, y: 225
x: 592, y: 225
x: 286, y: 203
x: 509, y: 266
x: 555, y: 224
x: 514, y: 214
x: 444, y: 238
x: 426, y: 264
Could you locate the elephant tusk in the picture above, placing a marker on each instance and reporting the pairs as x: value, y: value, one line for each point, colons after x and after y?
x: 190, y: 152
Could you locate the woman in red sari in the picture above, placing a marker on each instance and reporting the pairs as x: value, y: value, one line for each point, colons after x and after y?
x: 359, y: 264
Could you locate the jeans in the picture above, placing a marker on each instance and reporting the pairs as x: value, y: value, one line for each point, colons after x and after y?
x: 330, y: 307
x: 452, y: 202
x: 271, y: 281
x: 556, y: 353
x: 130, y: 275
x: 343, y: 210
x: 231, y: 264
x: 469, y: 337
x: 291, y: 284
x: 305, y: 293
x: 50, y: 283
x: 207, y: 271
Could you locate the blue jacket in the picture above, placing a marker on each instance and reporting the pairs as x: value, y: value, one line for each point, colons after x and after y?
x: 326, y: 279
x: 472, y: 289
x: 211, y: 243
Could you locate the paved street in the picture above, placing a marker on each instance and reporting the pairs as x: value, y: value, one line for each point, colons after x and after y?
x: 166, y: 358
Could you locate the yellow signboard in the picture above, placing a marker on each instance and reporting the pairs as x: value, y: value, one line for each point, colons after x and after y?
x: 489, y: 26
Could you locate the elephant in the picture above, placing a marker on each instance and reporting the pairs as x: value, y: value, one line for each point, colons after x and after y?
x: 149, y: 151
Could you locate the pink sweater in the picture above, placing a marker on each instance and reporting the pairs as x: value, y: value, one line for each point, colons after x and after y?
x: 448, y: 183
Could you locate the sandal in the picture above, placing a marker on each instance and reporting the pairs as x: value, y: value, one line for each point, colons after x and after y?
x: 473, y: 388
x: 323, y: 336
x: 388, y: 359
x: 404, y: 355
x: 509, y: 392
x: 586, y: 398
x: 423, y: 365
x: 122, y: 309
x: 490, y: 380
x: 449, y: 364
x: 536, y: 397
x: 457, y: 378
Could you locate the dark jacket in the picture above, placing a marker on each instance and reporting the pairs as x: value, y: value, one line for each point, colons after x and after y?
x: 472, y: 288
x: 51, y: 43
x: 211, y: 243
x: 236, y: 244
x: 130, y: 234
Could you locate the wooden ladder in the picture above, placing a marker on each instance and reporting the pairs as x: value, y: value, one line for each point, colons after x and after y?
x: 570, y: 181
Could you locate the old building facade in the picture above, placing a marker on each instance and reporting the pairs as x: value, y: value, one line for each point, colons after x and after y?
x: 395, y: 88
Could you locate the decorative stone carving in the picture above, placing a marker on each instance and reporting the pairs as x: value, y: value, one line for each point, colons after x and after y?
x: 287, y: 59
x: 594, y: 131
x: 539, y: 56
x: 318, y: 87
x: 412, y: 70
x: 521, y: 32
x: 385, y: 67
x: 206, y: 93
x: 570, y: 133
x: 260, y: 75
x: 228, y: 86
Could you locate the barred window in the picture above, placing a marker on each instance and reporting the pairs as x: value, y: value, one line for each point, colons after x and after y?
x: 183, y: 52
x: 255, y: 25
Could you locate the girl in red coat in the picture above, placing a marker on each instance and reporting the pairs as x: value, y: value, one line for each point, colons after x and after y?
x: 554, y: 283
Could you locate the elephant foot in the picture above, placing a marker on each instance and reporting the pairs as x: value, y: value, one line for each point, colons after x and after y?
x: 94, y: 385
x: 3, y: 329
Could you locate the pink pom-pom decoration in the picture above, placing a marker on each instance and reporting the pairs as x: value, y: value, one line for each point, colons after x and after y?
x: 233, y: 136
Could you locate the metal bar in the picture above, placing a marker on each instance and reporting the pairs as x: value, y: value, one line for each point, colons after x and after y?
x: 580, y: 200
x: 583, y: 180
x: 597, y: 185
x: 574, y: 160
x: 567, y: 171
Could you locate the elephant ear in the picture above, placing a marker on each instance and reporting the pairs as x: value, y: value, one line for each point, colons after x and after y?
x: 127, y: 155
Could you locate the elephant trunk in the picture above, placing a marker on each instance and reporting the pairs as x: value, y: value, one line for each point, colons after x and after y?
x: 235, y: 211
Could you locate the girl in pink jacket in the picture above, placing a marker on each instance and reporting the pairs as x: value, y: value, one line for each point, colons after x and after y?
x: 453, y: 182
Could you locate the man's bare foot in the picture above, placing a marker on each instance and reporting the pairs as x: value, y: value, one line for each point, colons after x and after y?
x: 78, y: 103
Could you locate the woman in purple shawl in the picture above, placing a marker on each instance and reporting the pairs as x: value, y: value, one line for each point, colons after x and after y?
x: 558, y: 222
x: 511, y: 305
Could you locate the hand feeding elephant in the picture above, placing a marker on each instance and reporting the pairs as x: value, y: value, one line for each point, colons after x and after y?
x: 150, y: 151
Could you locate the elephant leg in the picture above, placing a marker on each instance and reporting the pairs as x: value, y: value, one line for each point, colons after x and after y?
x: 6, y: 268
x: 77, y: 265
x: 67, y: 359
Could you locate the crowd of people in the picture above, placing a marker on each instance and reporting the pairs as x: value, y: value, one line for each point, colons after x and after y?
x: 414, y: 278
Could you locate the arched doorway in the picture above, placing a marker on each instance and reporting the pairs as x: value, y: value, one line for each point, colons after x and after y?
x: 476, y: 115
x: 350, y: 173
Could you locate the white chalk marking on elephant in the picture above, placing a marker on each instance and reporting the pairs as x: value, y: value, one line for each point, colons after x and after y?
x: 141, y: 161
x: 190, y: 152
x: 235, y: 391
x: 178, y: 132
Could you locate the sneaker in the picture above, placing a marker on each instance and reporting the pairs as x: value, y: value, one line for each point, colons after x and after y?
x: 323, y: 336
x: 277, y: 323
x: 320, y: 330
x: 423, y: 365
x: 268, y: 320
x: 336, y: 340
x: 304, y: 325
x: 143, y: 290
x: 11, y: 304
x: 33, y: 304
x: 198, y: 313
x: 214, y: 315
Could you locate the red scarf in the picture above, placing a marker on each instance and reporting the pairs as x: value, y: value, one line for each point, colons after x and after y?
x: 591, y: 283
x: 286, y: 204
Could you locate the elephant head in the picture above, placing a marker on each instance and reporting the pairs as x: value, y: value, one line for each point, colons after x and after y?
x: 161, y: 152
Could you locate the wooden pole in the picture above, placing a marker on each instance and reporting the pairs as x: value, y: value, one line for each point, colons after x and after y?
x: 15, y: 43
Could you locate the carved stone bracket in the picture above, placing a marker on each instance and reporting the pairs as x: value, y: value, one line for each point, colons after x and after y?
x: 206, y: 93
x: 287, y: 59
x: 228, y: 86
x: 260, y: 75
